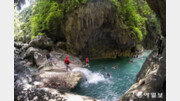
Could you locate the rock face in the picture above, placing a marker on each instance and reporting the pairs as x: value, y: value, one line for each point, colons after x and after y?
x: 159, y: 6
x: 93, y: 30
x: 63, y: 81
x: 48, y: 84
x: 28, y: 86
x: 57, y: 72
x: 42, y: 42
x: 152, y: 77
x: 37, y: 49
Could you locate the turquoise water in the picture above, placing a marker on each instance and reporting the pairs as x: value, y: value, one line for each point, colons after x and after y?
x: 96, y: 84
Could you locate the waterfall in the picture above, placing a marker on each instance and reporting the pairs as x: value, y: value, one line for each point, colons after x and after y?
x: 91, y: 77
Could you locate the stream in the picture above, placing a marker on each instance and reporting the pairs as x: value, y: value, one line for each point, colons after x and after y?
x: 96, y: 84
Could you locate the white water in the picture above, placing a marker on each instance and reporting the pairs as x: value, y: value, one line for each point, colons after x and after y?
x: 91, y: 77
x: 96, y: 84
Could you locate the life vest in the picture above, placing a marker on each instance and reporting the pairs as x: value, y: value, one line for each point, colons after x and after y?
x: 66, y: 61
x: 108, y: 74
x: 87, y: 60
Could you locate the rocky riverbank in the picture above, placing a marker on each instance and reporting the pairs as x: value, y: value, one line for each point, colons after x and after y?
x: 44, y: 82
x: 150, y: 84
x: 150, y: 80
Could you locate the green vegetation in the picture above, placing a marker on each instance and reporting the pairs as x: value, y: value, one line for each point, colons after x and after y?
x: 22, y: 30
x: 134, y: 15
x: 42, y: 17
x: 48, y: 15
x: 17, y: 23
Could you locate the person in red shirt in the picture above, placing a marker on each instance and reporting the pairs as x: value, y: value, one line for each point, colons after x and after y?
x: 87, y: 62
x: 131, y: 61
x: 67, y: 62
x: 108, y: 75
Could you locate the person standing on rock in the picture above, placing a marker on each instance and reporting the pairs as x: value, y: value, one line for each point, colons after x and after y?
x: 49, y: 60
x: 87, y: 62
x: 159, y: 43
x: 67, y: 62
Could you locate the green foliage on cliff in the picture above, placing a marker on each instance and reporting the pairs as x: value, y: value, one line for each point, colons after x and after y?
x: 48, y: 15
x: 133, y: 15
x: 22, y: 23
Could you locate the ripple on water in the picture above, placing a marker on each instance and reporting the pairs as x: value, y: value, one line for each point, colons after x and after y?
x: 97, y: 85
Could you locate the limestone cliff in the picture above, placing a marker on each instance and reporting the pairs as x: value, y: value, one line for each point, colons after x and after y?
x: 152, y: 76
x: 93, y: 30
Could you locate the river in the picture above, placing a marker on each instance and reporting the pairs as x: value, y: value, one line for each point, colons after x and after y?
x: 96, y: 84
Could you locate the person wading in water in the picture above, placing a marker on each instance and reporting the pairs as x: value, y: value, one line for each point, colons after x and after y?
x: 67, y: 62
x: 108, y: 75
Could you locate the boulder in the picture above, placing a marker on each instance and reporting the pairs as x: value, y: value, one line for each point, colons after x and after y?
x: 25, y: 47
x: 38, y: 56
x: 29, y: 53
x: 18, y: 45
x: 56, y: 57
x: 31, y: 85
x: 64, y: 81
x: 41, y: 42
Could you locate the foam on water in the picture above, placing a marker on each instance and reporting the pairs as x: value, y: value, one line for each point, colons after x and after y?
x: 91, y: 77
x: 96, y: 83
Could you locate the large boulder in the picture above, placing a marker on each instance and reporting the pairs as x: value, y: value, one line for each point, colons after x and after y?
x: 38, y: 56
x: 18, y: 45
x: 42, y: 42
x: 29, y: 53
x: 64, y: 81
x: 57, y: 58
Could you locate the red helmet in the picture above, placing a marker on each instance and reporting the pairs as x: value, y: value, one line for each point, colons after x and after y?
x: 66, y: 57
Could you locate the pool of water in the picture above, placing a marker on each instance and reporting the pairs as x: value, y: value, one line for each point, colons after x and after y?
x: 98, y: 85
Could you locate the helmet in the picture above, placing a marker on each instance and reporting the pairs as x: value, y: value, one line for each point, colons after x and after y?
x: 66, y: 57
